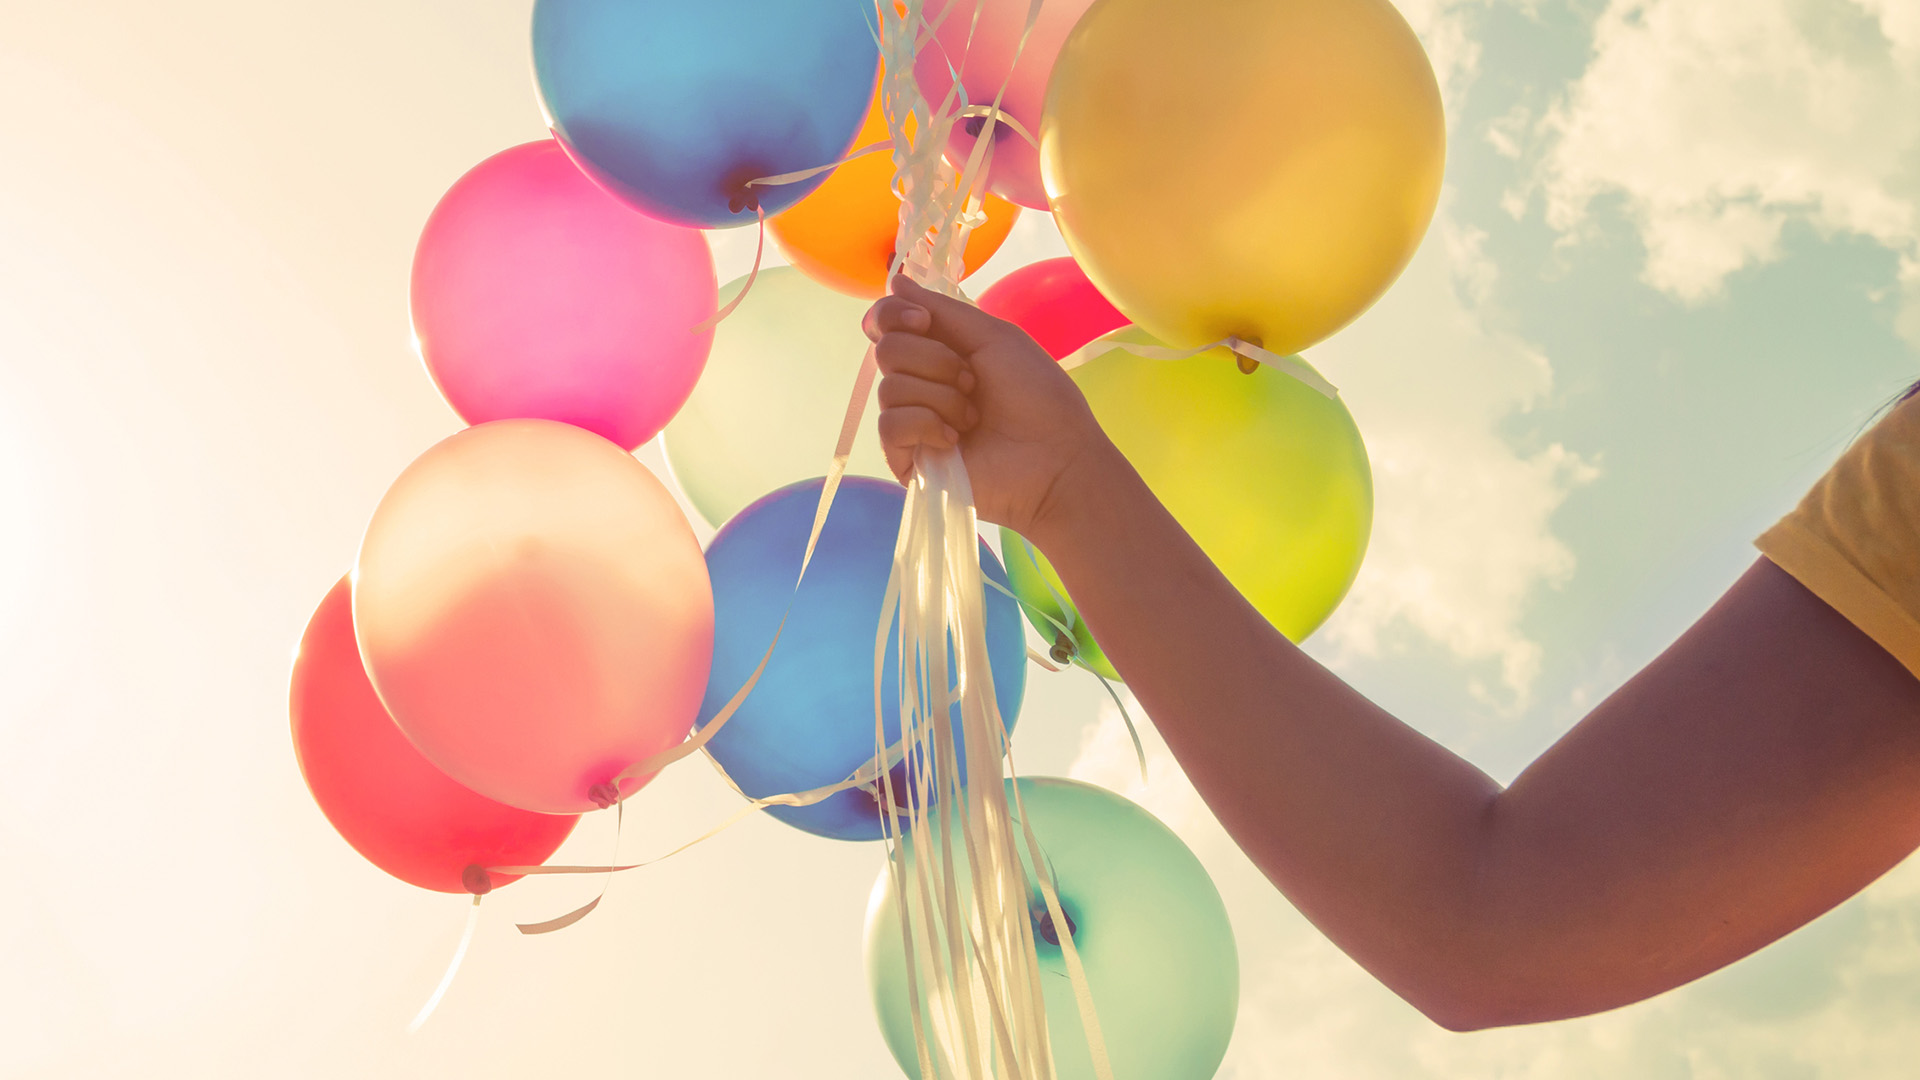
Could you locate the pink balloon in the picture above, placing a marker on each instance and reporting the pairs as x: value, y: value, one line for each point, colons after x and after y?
x: 534, y: 611
x: 1053, y: 301
x: 985, y: 61
x: 387, y: 800
x: 538, y: 295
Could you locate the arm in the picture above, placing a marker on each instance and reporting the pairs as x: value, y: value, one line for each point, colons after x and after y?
x: 1762, y: 770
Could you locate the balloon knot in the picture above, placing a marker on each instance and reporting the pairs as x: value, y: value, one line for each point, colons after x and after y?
x: 1043, y: 925
x: 603, y: 795
x: 476, y: 880
x: 1063, y: 650
x: 1248, y: 364
x: 976, y: 124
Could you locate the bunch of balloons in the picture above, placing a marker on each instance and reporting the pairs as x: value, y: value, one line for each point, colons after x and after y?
x: 530, y: 630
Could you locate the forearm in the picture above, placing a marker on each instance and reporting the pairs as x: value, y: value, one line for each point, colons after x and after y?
x: 1766, y: 767
x: 1373, y: 830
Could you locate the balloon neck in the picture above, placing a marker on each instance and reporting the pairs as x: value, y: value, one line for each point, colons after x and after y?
x: 1248, y: 365
x: 974, y: 125
x: 1063, y: 649
x: 1043, y: 925
x: 603, y: 795
x: 476, y: 880
x: 742, y: 196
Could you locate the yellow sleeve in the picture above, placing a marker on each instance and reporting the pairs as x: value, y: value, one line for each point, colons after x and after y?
x: 1855, y: 539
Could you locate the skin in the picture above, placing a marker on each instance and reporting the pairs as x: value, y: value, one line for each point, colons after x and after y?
x: 1761, y: 770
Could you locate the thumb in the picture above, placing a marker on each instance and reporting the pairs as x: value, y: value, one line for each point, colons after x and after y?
x: 957, y: 324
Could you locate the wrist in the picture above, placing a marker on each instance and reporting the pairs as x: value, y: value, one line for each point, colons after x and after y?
x: 1083, y: 480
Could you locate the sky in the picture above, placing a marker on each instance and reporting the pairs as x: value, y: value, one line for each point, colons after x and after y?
x: 1676, y: 267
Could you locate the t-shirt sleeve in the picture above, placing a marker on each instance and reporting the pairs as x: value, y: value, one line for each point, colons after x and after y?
x: 1854, y: 541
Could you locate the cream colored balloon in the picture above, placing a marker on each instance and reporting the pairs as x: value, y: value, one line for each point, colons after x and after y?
x: 767, y: 411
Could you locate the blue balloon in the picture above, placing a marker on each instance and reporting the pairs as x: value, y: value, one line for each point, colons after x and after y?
x: 674, y: 105
x: 809, y: 721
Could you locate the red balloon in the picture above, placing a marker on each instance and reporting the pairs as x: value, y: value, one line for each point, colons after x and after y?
x: 1053, y: 301
x: 394, y: 807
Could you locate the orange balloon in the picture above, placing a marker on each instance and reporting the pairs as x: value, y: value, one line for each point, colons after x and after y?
x: 842, y: 235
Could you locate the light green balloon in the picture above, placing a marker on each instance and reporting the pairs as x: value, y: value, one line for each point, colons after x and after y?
x: 767, y: 409
x: 1149, y: 925
x: 1266, y: 474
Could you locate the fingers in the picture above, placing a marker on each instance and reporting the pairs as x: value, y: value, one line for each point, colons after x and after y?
x: 944, y: 399
x: 891, y: 314
x: 919, y: 310
x: 902, y: 353
x: 906, y: 428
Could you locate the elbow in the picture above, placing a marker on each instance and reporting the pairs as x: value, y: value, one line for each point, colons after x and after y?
x: 1462, y: 1013
x: 1463, y: 997
x: 1463, y: 1017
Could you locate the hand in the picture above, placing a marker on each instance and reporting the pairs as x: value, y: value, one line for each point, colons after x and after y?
x: 952, y: 375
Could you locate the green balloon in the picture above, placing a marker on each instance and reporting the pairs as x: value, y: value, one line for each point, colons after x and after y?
x: 767, y: 409
x: 1266, y: 474
x: 1148, y: 924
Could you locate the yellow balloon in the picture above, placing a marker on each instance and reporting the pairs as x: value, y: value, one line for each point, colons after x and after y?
x: 1260, y: 168
x: 1269, y: 477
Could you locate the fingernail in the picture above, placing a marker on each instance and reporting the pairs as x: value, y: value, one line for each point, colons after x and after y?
x: 953, y: 437
x: 916, y: 319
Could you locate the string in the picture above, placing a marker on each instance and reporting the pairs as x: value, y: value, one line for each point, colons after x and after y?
x: 985, y: 1006
x: 581, y: 912
x: 453, y: 968
x: 759, y: 251
x: 1287, y: 365
x: 1074, y: 658
x: 843, y: 450
x: 1001, y: 116
x: 807, y: 174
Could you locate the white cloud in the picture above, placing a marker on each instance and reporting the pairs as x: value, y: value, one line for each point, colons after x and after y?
x: 1720, y: 121
x: 1451, y: 48
x: 1833, y: 1001
x: 1462, y: 535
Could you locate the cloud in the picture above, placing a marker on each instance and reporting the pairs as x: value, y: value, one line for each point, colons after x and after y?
x: 1462, y: 533
x: 1721, y: 121
x: 1833, y: 1001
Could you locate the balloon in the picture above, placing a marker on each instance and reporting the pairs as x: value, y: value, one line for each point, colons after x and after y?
x: 842, y: 235
x: 808, y: 722
x: 1150, y: 928
x: 1224, y: 168
x: 769, y: 407
x: 533, y: 609
x: 980, y: 39
x: 1269, y: 477
x: 536, y: 294
x: 1038, y: 585
x: 394, y: 807
x: 1053, y: 301
x: 674, y: 106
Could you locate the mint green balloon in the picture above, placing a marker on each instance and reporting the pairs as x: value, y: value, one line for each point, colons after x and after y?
x: 1149, y: 925
x: 1267, y: 475
x: 767, y: 409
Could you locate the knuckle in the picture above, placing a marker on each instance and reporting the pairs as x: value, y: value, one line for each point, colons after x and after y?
x: 902, y: 425
x: 896, y: 390
x: 894, y: 351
